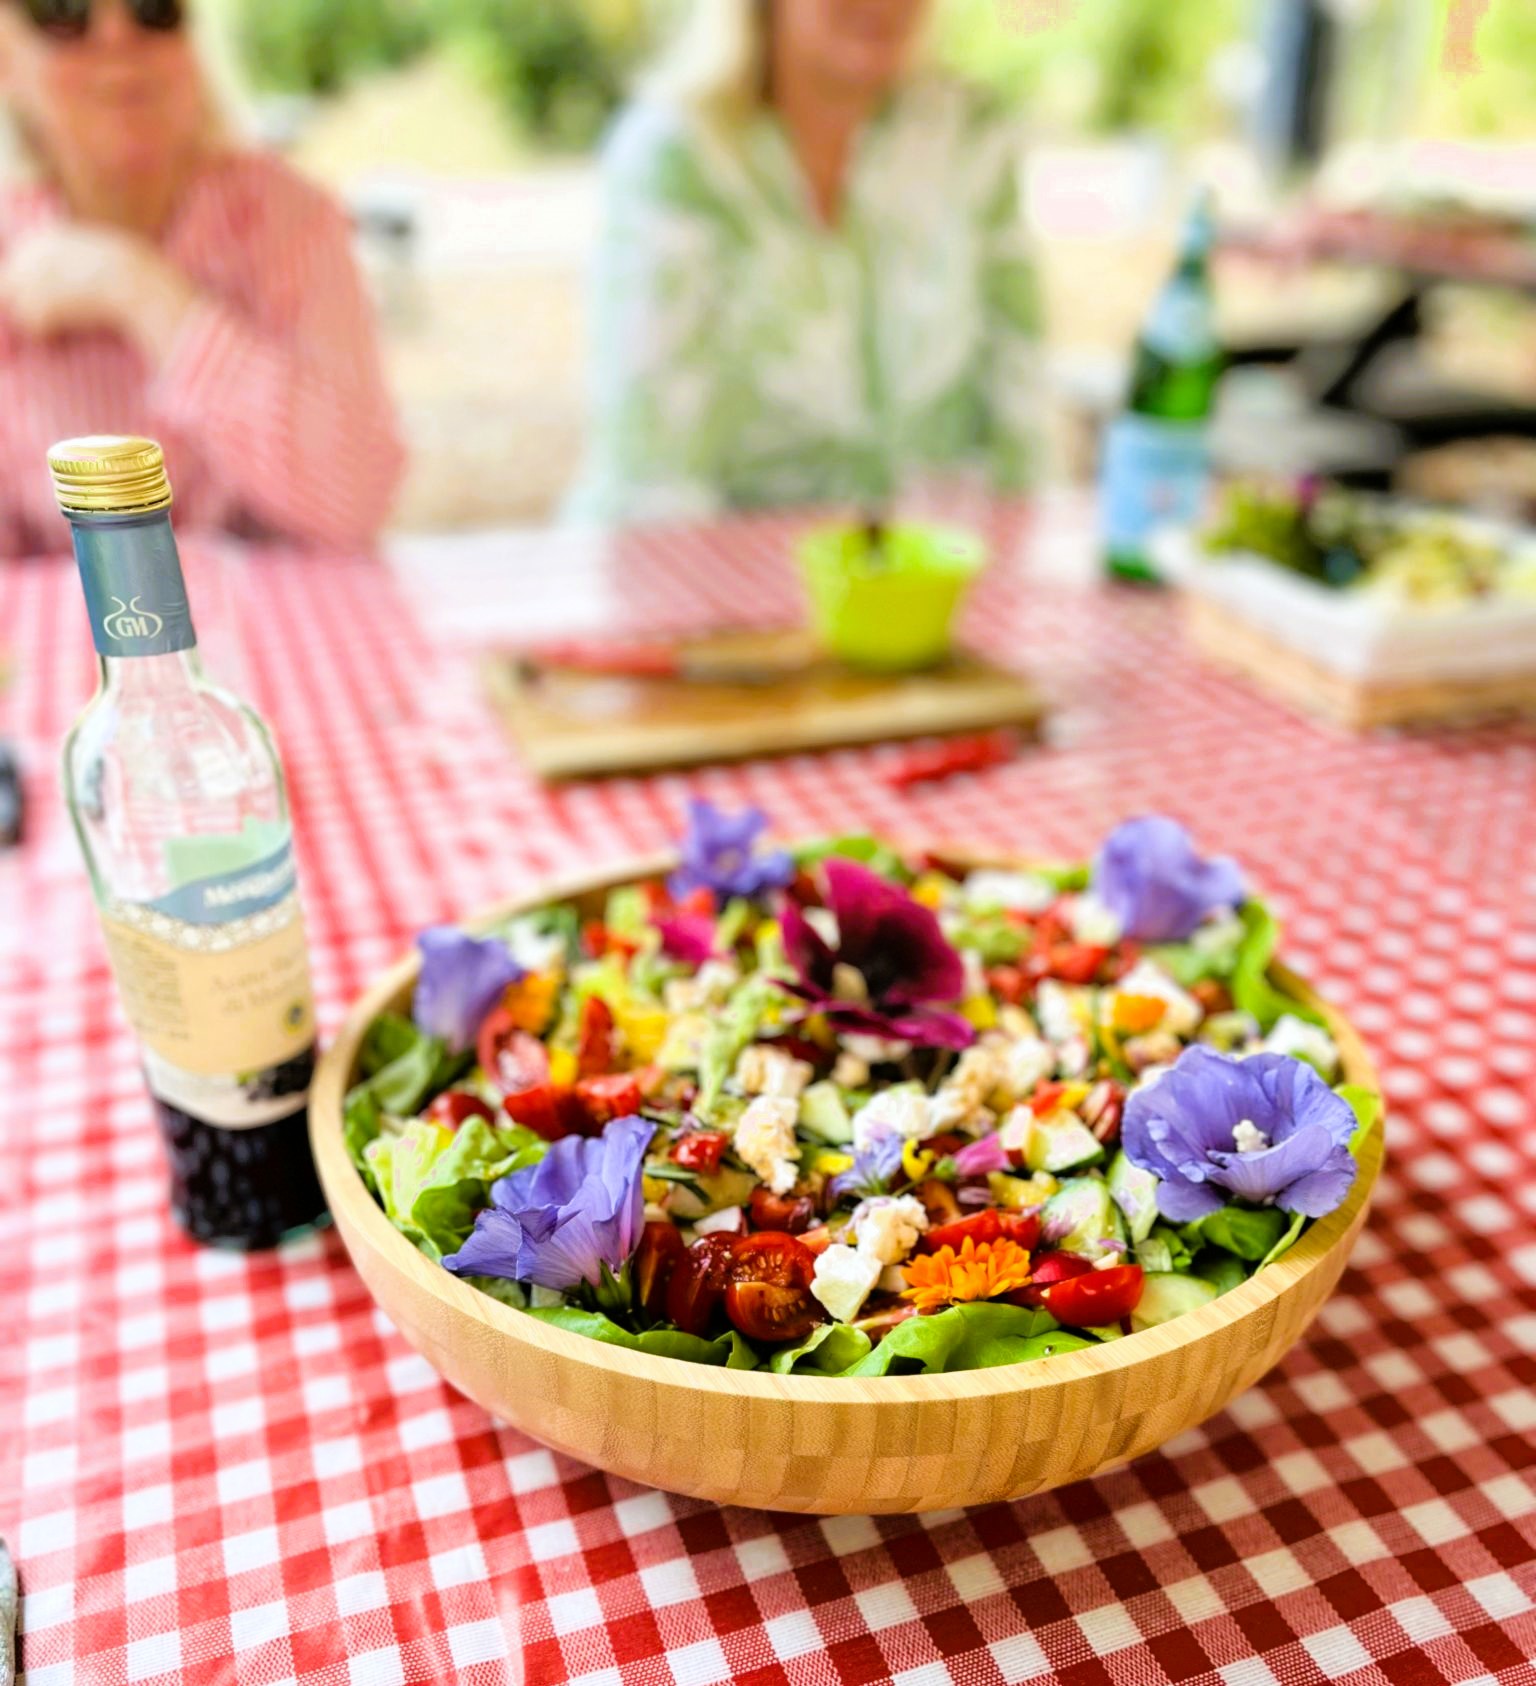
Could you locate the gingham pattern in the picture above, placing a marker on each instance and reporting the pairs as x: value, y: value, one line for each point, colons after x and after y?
x: 226, y: 1469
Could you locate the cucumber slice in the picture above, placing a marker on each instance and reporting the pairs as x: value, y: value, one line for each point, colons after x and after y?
x: 1060, y: 1147
x: 1167, y: 1295
x: 1078, y: 1216
x: 823, y: 1115
x: 1134, y: 1191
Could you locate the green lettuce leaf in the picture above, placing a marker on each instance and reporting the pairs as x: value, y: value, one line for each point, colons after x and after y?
x: 361, y: 1121
x: 1297, y: 1224
x: 1251, y: 989
x: 1223, y: 1270
x: 856, y: 846
x: 1248, y: 1231
x: 828, y: 1350
x: 432, y: 1180
x: 737, y: 1025
x: 966, y: 1337
x: 729, y: 1349
x: 1366, y: 1106
x: 387, y: 1038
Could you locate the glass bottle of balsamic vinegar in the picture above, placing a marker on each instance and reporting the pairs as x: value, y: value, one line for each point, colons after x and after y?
x: 179, y: 803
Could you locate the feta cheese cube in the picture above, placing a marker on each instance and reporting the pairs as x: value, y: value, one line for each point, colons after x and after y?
x: 1026, y: 1062
x: 765, y: 1140
x: 850, y: 1072
x: 1061, y: 1009
x: 1295, y: 1036
x: 1024, y: 892
x: 888, y: 1229
x: 893, y: 1112
x: 843, y: 1280
x: 765, y: 1070
x: 1094, y: 923
x: 535, y: 950
x: 708, y: 987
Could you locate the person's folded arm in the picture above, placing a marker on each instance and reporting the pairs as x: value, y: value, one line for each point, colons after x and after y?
x: 292, y: 411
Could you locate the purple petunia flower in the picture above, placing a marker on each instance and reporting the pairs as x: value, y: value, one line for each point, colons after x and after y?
x: 890, y: 964
x: 871, y: 1171
x: 1266, y: 1130
x: 1148, y: 875
x: 462, y: 978
x: 559, y: 1222
x: 718, y: 855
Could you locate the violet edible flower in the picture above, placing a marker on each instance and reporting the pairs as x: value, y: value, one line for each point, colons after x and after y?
x: 1266, y: 1130
x: 872, y: 1170
x: 462, y: 978
x: 1149, y: 876
x: 890, y: 964
x: 718, y: 856
x: 558, y: 1223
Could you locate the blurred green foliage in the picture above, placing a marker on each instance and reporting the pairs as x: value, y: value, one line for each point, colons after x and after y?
x: 316, y: 46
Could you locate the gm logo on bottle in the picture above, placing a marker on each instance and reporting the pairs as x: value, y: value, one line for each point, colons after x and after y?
x: 129, y: 620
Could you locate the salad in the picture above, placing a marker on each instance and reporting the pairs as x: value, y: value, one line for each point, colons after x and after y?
x: 830, y: 1111
x: 1344, y: 540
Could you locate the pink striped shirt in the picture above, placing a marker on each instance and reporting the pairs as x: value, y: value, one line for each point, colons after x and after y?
x: 272, y: 405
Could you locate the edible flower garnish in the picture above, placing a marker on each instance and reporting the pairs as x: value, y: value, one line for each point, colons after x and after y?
x: 946, y: 1277
x: 462, y: 978
x: 1151, y: 879
x: 1265, y: 1129
x: 718, y: 855
x: 558, y: 1223
x: 978, y: 1158
x: 890, y: 962
x: 689, y: 937
x: 872, y: 1170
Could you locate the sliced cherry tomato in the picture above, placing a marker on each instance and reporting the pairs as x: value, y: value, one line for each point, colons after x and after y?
x: 698, y: 1282
x: 1095, y: 1297
x: 700, y: 1150
x: 510, y: 1057
x: 661, y: 1246
x: 1102, y: 1109
x: 785, y: 1212
x: 594, y: 1038
x: 990, y: 1225
x: 1045, y: 1097
x: 769, y: 1294
x: 1047, y: 1270
x: 455, y: 1106
x: 816, y: 1240
x: 1074, y: 963
x: 550, y: 1110
x: 1008, y: 984
x: 602, y: 1099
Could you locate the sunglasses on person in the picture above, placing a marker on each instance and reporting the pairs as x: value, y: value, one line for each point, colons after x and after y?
x: 70, y: 20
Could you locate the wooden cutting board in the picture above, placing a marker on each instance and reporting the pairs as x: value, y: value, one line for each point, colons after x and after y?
x: 573, y: 725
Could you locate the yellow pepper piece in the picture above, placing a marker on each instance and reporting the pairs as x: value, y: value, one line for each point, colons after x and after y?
x: 562, y: 1065
x: 828, y: 1162
x: 1135, y: 1014
x: 655, y: 1189
x: 531, y: 1001
x: 930, y: 889
x: 917, y: 1162
x: 817, y: 1030
x: 981, y: 1011
x: 1017, y: 1193
x: 643, y: 1030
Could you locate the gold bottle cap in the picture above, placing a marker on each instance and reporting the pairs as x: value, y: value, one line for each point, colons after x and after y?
x: 104, y: 474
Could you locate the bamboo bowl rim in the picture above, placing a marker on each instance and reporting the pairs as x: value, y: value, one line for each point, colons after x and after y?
x: 342, y: 1182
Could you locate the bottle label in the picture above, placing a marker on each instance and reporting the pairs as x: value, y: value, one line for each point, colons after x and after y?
x: 134, y: 591
x: 1153, y: 475
x: 1179, y: 328
x: 215, y: 981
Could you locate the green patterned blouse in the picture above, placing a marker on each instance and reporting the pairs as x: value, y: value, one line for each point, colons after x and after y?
x: 745, y: 354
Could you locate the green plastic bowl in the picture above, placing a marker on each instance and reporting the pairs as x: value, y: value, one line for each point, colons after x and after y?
x: 891, y: 612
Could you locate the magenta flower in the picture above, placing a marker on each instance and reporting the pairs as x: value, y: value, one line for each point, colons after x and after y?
x: 688, y: 937
x: 1266, y: 1130
x: 558, y: 1223
x: 890, y: 965
x: 462, y: 978
x: 1150, y: 877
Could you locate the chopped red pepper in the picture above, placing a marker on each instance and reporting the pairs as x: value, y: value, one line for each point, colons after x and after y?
x: 700, y: 1150
x: 602, y: 1099
x: 457, y: 1106
x: 595, y: 1051
x: 1008, y: 983
x: 988, y: 1225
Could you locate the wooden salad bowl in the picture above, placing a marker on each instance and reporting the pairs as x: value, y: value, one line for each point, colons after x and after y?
x: 824, y: 1445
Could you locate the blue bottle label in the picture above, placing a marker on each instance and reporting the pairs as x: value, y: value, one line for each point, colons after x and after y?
x: 134, y: 591
x: 1153, y: 475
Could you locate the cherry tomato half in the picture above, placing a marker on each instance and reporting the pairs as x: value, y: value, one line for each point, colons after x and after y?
x: 1045, y: 1271
x: 511, y: 1058
x: 594, y: 1038
x: 768, y: 1297
x: 784, y: 1212
x: 700, y: 1150
x: 1095, y: 1297
x: 1074, y: 963
x: 550, y: 1110
x: 990, y: 1225
x: 699, y: 1281
x: 602, y: 1099
x: 1008, y: 984
x: 661, y: 1246
x: 456, y: 1106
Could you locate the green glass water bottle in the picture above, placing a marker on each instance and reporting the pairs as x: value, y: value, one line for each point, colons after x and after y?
x: 1155, y: 465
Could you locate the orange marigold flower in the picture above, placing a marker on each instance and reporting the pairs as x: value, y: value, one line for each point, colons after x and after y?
x: 946, y: 1277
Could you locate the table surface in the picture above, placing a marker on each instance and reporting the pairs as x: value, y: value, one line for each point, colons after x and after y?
x: 218, y: 1468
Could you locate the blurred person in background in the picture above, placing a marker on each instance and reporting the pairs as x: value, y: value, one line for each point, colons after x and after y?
x: 155, y: 278
x: 812, y: 280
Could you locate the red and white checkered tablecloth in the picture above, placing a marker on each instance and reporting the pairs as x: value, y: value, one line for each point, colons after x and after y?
x: 216, y: 1468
